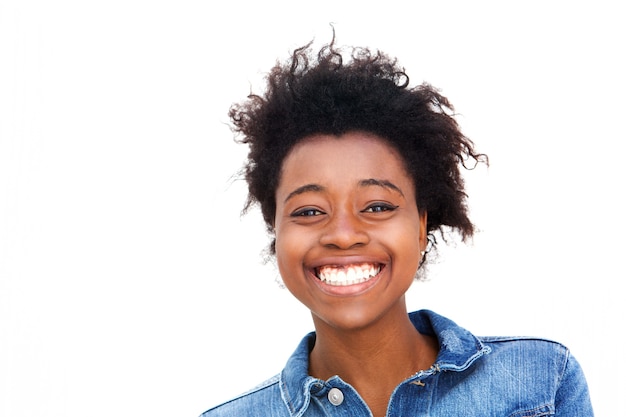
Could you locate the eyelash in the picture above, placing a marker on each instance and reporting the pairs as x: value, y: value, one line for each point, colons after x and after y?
x: 379, y: 208
x: 307, y: 212
x: 374, y: 208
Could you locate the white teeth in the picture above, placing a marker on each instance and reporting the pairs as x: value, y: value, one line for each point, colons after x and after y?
x: 353, y: 274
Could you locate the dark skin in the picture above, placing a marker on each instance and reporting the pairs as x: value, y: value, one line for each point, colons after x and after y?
x: 374, y: 360
x: 349, y: 238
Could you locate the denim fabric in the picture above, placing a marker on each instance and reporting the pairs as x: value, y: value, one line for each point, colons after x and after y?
x: 472, y: 376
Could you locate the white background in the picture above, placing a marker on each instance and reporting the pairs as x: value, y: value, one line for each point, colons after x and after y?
x: 129, y: 283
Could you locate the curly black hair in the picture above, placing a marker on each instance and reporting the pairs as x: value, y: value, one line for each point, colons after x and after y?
x: 332, y: 93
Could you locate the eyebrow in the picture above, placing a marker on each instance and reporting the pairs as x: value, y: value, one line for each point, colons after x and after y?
x: 304, y: 189
x: 363, y: 183
x: 381, y: 183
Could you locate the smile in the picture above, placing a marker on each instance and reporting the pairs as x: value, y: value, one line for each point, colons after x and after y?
x: 347, y: 274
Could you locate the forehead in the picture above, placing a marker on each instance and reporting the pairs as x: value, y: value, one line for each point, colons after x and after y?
x: 352, y: 156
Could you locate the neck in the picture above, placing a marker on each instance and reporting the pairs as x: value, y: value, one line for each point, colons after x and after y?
x: 374, y: 359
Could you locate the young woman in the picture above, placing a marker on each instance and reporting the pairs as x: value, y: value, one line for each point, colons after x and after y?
x: 356, y: 174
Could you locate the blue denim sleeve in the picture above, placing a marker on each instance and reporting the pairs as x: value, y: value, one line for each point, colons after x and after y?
x: 572, y: 396
x: 262, y: 401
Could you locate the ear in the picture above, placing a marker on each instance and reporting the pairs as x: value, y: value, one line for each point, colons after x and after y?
x: 423, y: 219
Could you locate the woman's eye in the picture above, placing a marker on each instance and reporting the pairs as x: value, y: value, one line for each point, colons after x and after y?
x: 307, y: 212
x: 379, y: 208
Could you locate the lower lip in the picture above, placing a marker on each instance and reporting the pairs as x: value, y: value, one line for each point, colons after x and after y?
x: 347, y: 290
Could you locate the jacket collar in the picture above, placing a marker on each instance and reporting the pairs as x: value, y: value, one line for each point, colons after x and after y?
x: 458, y: 349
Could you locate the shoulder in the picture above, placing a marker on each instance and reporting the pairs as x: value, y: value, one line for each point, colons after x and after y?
x: 524, y: 345
x: 532, y: 350
x: 536, y: 357
x: 542, y: 369
x: 262, y: 400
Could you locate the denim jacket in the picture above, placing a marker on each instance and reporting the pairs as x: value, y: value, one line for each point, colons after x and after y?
x: 472, y: 376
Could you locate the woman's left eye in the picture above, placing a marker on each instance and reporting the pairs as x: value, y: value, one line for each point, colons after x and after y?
x: 379, y: 208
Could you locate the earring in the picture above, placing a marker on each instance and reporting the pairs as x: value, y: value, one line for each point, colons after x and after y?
x: 423, y: 253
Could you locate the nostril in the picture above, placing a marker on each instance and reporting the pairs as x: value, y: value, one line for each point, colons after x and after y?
x: 344, y: 246
x: 344, y: 239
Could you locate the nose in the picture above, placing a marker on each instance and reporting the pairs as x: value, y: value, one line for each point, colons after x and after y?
x: 344, y: 230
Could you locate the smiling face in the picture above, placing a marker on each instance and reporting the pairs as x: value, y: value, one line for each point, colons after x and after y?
x: 348, y: 230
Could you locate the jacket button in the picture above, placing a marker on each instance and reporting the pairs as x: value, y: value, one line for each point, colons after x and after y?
x: 335, y: 396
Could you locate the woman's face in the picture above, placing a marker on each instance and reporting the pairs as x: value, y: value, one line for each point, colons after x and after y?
x: 348, y: 231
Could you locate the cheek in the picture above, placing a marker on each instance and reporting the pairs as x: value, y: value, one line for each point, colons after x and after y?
x: 404, y: 243
x: 287, y: 256
x: 289, y: 263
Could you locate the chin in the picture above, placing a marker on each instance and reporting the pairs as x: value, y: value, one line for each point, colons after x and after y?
x: 348, y: 319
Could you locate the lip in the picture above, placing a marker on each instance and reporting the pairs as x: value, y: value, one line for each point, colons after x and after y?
x: 345, y: 290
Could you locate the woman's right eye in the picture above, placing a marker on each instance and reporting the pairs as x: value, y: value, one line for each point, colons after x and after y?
x: 307, y: 212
